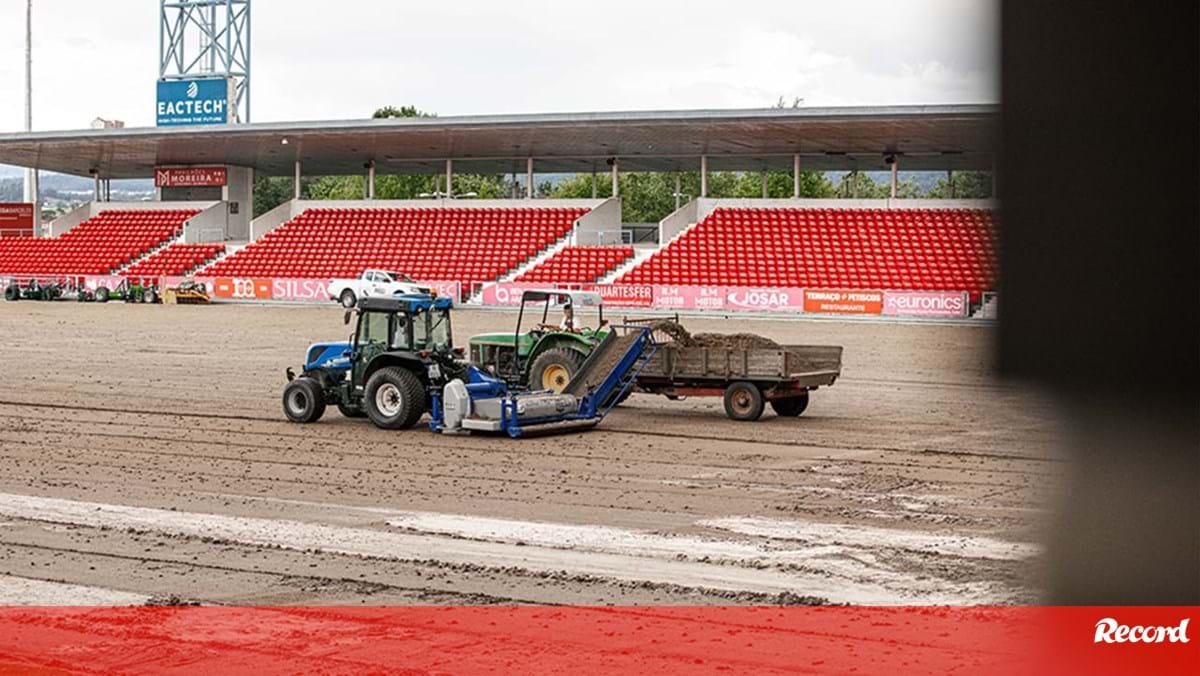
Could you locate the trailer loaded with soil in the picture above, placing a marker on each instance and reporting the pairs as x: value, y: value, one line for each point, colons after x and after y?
x: 748, y: 371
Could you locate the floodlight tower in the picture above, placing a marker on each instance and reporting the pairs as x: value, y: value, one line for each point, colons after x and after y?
x: 207, y: 38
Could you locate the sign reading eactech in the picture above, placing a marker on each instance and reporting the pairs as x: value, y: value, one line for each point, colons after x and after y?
x: 201, y: 101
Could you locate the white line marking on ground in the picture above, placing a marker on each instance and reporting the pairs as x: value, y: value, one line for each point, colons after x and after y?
x: 624, y: 565
x: 23, y: 591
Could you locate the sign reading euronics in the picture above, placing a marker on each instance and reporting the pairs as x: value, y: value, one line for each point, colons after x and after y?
x: 200, y: 101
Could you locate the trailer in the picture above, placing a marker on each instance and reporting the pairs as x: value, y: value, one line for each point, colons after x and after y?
x: 748, y: 379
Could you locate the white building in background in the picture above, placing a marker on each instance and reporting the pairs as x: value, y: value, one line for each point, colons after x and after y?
x: 101, y: 123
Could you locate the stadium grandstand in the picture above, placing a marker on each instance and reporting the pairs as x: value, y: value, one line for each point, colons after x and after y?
x: 209, y: 229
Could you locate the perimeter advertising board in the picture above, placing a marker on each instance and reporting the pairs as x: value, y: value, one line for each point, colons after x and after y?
x: 194, y: 101
x: 16, y: 219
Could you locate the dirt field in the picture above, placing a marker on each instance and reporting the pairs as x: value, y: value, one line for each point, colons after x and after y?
x: 144, y: 457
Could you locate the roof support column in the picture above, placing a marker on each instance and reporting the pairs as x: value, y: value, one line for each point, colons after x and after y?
x: 678, y: 191
x: 796, y: 175
x: 950, y: 182
x: 296, y: 182
x: 371, y: 180
x: 96, y: 189
x: 704, y: 175
x: 854, y: 183
x: 895, y: 171
x: 449, y: 179
x: 616, y: 190
x: 594, y: 188
x: 529, y: 178
x: 764, y: 184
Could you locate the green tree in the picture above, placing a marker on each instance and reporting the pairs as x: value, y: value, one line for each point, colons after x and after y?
x: 967, y: 185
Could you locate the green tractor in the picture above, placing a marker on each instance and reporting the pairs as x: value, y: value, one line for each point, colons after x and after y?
x: 35, y: 290
x: 130, y: 292
x: 401, y: 351
x: 547, y: 356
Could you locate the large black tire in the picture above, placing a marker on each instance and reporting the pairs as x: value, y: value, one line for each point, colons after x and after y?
x: 348, y: 299
x: 743, y: 401
x: 101, y: 294
x: 394, y: 398
x: 553, y: 369
x: 351, y: 411
x: 13, y: 292
x: 303, y: 401
x: 151, y: 296
x: 790, y: 407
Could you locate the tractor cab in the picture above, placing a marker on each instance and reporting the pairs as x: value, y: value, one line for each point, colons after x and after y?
x: 401, y: 347
x: 564, y: 327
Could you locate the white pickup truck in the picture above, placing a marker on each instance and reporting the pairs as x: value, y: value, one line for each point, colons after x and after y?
x: 372, y: 283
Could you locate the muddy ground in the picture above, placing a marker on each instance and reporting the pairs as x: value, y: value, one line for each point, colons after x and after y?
x: 144, y: 457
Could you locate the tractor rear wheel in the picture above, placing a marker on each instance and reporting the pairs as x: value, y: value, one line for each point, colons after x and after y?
x: 303, y: 401
x: 553, y: 369
x: 394, y: 398
x: 743, y: 401
x: 348, y: 299
x: 151, y: 296
x: 13, y: 292
x: 351, y: 411
x: 790, y: 407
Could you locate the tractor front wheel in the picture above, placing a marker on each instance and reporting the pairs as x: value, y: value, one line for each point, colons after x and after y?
x: 13, y: 292
x: 151, y: 296
x: 303, y: 401
x: 101, y: 294
x: 553, y: 369
x: 394, y: 398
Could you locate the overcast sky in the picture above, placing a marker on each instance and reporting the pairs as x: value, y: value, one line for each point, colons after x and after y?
x: 315, y: 59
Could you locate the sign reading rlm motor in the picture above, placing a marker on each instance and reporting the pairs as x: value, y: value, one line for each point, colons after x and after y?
x: 197, y: 101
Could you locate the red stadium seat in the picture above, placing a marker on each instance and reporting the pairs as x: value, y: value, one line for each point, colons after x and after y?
x: 878, y: 249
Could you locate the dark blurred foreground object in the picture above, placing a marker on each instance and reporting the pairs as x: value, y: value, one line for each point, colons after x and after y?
x: 1100, y: 295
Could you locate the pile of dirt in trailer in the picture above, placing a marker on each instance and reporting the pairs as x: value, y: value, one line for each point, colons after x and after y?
x: 597, y: 371
x: 735, y: 341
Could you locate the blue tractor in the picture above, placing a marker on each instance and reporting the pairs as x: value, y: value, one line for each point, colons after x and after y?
x: 400, y: 353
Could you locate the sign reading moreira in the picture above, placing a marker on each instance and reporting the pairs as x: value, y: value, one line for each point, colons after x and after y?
x: 190, y: 177
x: 198, y: 101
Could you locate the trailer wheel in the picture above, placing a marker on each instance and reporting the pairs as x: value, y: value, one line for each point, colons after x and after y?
x: 553, y: 369
x: 303, y: 401
x: 791, y: 406
x: 743, y: 401
x: 348, y: 299
x: 351, y: 411
x: 101, y: 294
x: 13, y: 292
x: 394, y: 398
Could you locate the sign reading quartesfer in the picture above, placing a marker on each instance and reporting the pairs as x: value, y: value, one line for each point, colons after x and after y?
x: 190, y: 177
x: 195, y: 101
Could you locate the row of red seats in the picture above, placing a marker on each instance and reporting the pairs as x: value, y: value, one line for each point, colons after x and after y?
x: 452, y: 244
x: 909, y: 249
x: 97, y: 246
x: 578, y: 264
x: 176, y: 259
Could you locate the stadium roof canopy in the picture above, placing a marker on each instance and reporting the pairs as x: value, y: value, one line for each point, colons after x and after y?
x: 924, y: 138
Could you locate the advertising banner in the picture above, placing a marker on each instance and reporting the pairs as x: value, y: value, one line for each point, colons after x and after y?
x: 755, y: 299
x: 507, y: 293
x: 834, y: 301
x: 190, y: 177
x: 925, y: 303
x: 624, y: 295
x: 224, y: 288
x: 16, y: 219
x: 191, y: 102
x: 689, y: 297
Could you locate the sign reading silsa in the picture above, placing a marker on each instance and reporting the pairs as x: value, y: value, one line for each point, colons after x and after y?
x: 201, y: 101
